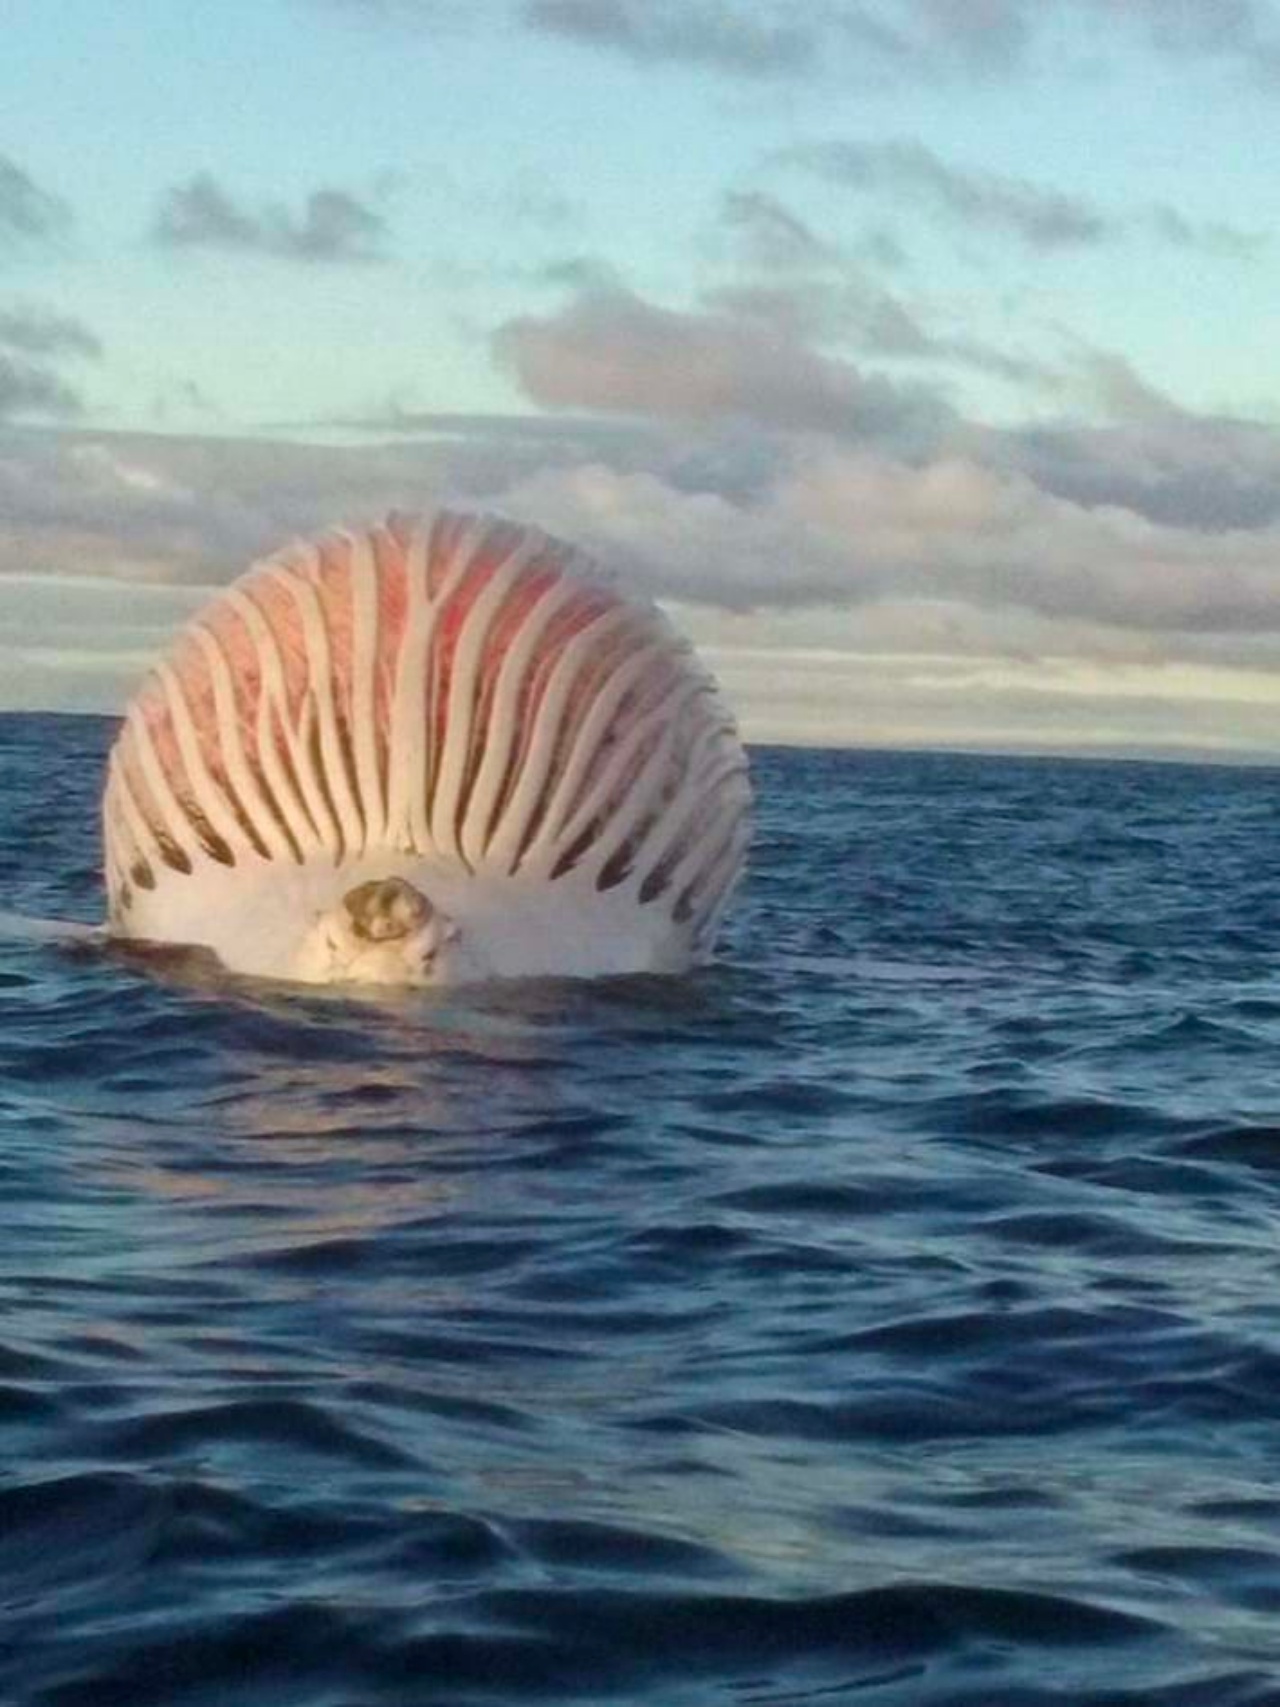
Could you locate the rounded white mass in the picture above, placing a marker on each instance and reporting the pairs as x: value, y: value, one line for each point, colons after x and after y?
x: 430, y: 752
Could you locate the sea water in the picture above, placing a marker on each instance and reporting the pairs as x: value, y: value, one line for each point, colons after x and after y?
x: 889, y: 1314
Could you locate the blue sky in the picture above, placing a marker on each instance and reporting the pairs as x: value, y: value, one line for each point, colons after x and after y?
x: 919, y: 352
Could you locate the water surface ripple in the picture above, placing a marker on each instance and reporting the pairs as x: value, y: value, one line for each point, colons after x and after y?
x: 889, y: 1315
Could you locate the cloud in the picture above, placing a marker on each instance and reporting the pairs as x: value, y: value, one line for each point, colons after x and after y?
x: 333, y: 225
x: 770, y: 40
x: 31, y: 339
x: 730, y: 454
x: 849, y: 310
x: 764, y: 233
x: 880, y: 43
x: 812, y: 291
x: 916, y: 39
x: 40, y: 332
x: 814, y: 522
x: 1212, y: 476
x: 848, y: 525
x: 772, y: 236
x: 738, y: 40
x: 174, y: 509
x: 1111, y: 382
x: 1211, y: 237
x: 1040, y: 218
x: 578, y: 272
x: 537, y: 437
x: 945, y: 597
x: 999, y: 37
x: 26, y: 389
x: 1245, y: 31
x: 611, y: 351
x: 27, y: 212
x: 164, y: 508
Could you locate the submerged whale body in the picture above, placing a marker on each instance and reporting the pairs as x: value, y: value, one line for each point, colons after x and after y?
x: 425, y: 753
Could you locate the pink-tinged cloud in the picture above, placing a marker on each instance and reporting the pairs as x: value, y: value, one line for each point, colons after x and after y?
x: 611, y: 351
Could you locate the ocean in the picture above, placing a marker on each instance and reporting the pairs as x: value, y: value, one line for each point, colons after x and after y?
x: 887, y: 1315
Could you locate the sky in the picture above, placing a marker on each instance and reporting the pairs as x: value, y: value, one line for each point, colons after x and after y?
x: 919, y: 355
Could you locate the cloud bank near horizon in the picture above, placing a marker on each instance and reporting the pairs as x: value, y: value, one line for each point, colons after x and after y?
x: 1167, y: 529
x: 943, y: 392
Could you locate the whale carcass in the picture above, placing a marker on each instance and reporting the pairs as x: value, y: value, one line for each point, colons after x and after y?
x: 427, y: 752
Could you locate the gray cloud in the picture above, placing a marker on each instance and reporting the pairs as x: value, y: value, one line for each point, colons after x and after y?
x: 848, y: 525
x: 27, y: 389
x: 851, y: 310
x: 556, y: 437
x: 1088, y: 532
x: 1246, y: 31
x: 772, y: 236
x: 165, y: 508
x: 1166, y: 521
x: 27, y: 212
x: 774, y: 40
x: 767, y: 234
x: 743, y: 41
x: 1113, y: 383
x: 179, y: 509
x: 32, y: 341
x: 931, y: 37
x: 1041, y: 218
x: 1211, y: 237
x: 578, y: 272
x: 909, y: 38
x: 1214, y: 476
x: 40, y: 332
x: 871, y: 40
x: 1000, y: 36
x: 613, y: 352
x: 815, y: 292
x: 332, y: 226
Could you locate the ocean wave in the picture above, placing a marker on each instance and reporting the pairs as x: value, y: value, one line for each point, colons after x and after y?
x: 886, y: 1314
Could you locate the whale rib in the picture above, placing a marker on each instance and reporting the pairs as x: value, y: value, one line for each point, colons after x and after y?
x: 425, y: 752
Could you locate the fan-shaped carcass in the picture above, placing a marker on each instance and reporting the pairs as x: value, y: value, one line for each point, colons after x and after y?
x: 423, y: 753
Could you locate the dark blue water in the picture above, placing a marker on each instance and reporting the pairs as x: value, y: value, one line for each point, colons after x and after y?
x: 890, y: 1315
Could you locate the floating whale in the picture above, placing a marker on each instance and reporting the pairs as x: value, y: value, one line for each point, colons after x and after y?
x: 430, y: 752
